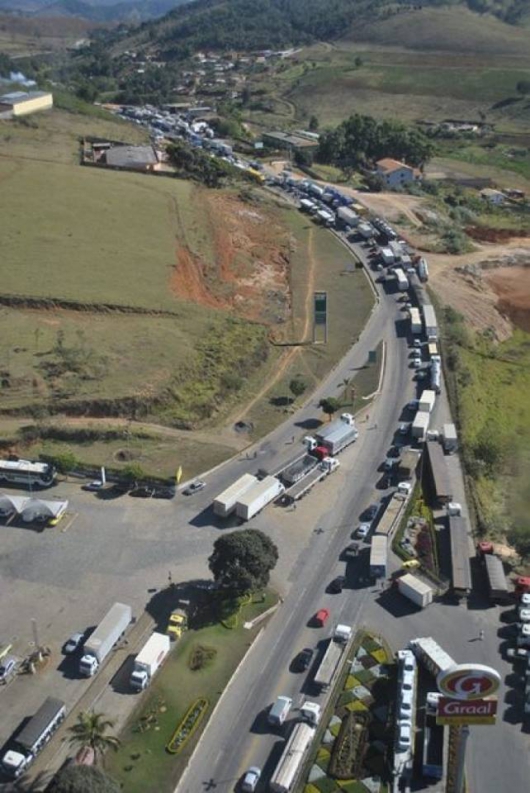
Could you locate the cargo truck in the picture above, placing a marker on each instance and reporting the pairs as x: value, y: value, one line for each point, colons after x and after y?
x: 306, y: 205
x: 330, y: 662
x: 420, y: 425
x: 449, y: 438
x: 335, y: 436
x: 304, y: 485
x: 407, y: 464
x: 417, y: 591
x: 378, y: 556
x: 33, y: 737
x: 431, y: 655
x: 259, y: 495
x: 299, y: 469
x: 497, y: 583
x: 401, y: 279
x: 387, y: 256
x: 366, y: 230
x: 292, y: 758
x: 225, y: 503
x: 431, y: 323
x: 426, y: 401
x: 390, y: 519
x: 101, y: 642
x: 149, y: 660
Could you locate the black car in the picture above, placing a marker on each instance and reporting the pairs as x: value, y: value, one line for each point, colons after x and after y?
x: 304, y: 659
x: 164, y: 492
x: 337, y: 585
x: 370, y: 512
x: 142, y: 492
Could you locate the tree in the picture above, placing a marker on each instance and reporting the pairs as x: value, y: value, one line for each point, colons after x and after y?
x: 65, y: 461
x: 241, y: 561
x: 133, y: 472
x: 523, y: 87
x: 297, y: 386
x: 91, y: 731
x: 329, y: 405
x: 83, y: 779
x: 313, y: 123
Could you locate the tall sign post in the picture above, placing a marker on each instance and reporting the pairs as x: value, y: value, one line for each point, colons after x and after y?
x: 467, y: 699
x: 320, y: 317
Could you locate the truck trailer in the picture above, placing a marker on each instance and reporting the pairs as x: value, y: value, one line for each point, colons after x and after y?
x: 378, y: 556
x: 366, y: 230
x: 418, y: 592
x: 423, y: 270
x: 258, y: 496
x: 407, y: 464
x: 431, y: 323
x: 433, y: 749
x: 387, y: 256
x: 149, y: 660
x: 436, y: 375
x: 299, y: 469
x: 431, y: 655
x: 304, y: 485
x: 225, y: 503
x: 416, y: 325
x: 449, y: 438
x: 497, y: 583
x: 335, y: 650
x: 101, y: 642
x: 426, y: 401
x: 33, y: 737
x: 420, y: 425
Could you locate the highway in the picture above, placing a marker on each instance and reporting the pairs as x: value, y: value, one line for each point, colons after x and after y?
x: 237, y: 735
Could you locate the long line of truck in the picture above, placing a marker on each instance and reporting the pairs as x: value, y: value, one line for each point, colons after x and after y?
x: 331, y: 659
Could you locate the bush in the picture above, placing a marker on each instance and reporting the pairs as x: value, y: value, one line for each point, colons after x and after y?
x: 348, y: 749
x: 83, y: 779
x: 201, y: 656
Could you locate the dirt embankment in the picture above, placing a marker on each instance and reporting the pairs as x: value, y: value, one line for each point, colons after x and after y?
x: 512, y: 287
x: 249, y: 269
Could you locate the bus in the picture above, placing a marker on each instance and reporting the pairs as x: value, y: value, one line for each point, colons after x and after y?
x: 27, y: 473
x: 257, y: 176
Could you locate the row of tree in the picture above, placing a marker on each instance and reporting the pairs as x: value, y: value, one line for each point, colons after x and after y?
x: 362, y: 140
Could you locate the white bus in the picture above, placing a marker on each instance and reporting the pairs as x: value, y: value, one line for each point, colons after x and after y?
x: 27, y: 472
x: 284, y: 777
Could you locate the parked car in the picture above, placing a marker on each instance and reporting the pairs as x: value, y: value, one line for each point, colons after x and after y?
x: 321, y: 617
x: 251, y: 779
x: 371, y: 511
x: 194, y: 487
x: 142, y: 492
x: 404, y: 428
x: 7, y: 666
x: 411, y: 564
x: 304, y: 659
x: 421, y: 375
x: 74, y: 643
x: 337, y: 585
x: 164, y: 492
x: 363, y: 531
x: 92, y: 487
x: 416, y: 343
x: 416, y: 363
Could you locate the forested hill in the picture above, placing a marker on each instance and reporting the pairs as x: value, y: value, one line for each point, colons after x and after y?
x: 260, y: 24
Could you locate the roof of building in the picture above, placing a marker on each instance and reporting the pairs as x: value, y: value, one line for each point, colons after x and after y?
x: 387, y: 164
x: 124, y: 156
x: 17, y: 97
x: 491, y: 192
x: 291, y: 140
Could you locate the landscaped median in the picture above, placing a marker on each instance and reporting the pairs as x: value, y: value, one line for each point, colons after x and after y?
x: 351, y: 754
x: 163, y: 731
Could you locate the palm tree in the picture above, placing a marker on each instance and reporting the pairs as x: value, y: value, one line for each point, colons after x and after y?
x: 91, y: 732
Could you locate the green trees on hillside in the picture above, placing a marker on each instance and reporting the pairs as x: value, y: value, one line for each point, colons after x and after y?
x: 361, y: 140
x: 241, y: 561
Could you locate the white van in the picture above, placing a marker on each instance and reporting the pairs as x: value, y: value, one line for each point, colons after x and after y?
x: 279, y: 711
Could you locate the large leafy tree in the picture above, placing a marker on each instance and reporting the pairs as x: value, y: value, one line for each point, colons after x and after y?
x: 329, y: 405
x: 92, y: 730
x: 83, y: 779
x: 241, y: 562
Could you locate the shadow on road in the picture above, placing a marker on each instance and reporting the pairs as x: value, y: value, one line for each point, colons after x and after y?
x: 396, y: 605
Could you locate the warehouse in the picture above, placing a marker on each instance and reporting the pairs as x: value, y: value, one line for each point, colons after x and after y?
x: 290, y: 142
x: 21, y: 103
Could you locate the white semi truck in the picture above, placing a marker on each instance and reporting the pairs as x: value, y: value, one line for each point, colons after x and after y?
x: 225, y: 503
x: 348, y: 216
x: 100, y: 643
x: 286, y: 773
x: 335, y: 436
x: 33, y: 737
x: 258, y: 496
x: 401, y: 279
x: 149, y: 660
x: 431, y: 655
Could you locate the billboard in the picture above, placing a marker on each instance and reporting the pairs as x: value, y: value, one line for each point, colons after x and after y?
x: 320, y: 317
x: 455, y: 712
x: 468, y: 681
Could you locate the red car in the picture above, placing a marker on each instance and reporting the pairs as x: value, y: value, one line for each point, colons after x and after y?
x: 321, y: 617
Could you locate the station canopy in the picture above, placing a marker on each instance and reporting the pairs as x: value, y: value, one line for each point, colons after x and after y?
x: 30, y: 508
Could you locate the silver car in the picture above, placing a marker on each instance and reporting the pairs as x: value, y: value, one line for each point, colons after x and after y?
x: 251, y: 779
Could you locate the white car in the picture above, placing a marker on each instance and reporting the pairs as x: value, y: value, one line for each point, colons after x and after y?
x: 363, y: 531
x: 525, y: 600
x: 73, y: 643
x: 251, y: 779
x: 524, y: 614
x: 417, y: 343
x: 404, y: 735
x: 404, y: 428
x: 7, y: 666
x: 92, y: 487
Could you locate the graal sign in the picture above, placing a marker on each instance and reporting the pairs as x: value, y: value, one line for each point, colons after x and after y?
x: 457, y: 711
x: 468, y: 681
